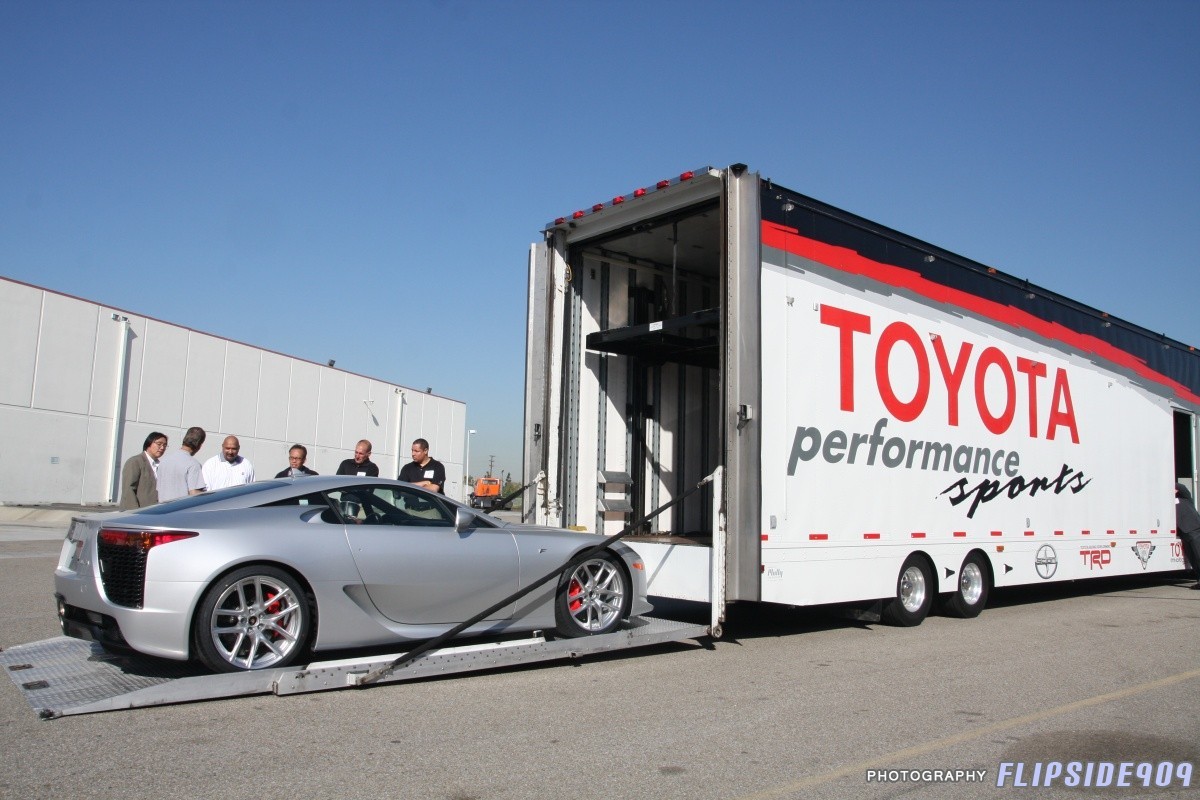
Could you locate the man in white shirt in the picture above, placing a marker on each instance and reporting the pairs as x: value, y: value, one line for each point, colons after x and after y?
x: 228, y: 468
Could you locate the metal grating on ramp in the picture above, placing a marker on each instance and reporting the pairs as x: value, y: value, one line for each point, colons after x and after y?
x: 62, y: 673
x: 65, y: 676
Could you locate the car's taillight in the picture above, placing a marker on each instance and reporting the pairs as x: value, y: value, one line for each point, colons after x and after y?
x: 143, y: 540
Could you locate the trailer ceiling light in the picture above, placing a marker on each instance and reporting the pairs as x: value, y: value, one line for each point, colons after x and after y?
x: 618, y: 200
x: 639, y: 192
x: 598, y: 207
x: 662, y: 184
x: 687, y: 176
x: 577, y: 215
x: 560, y: 220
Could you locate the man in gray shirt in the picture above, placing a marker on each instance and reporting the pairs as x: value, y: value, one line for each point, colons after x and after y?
x: 179, y: 473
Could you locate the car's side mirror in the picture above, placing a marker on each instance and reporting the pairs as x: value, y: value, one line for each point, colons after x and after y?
x: 463, y: 520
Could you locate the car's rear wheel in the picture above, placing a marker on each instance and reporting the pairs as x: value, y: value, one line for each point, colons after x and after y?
x: 253, y: 618
x: 593, y: 597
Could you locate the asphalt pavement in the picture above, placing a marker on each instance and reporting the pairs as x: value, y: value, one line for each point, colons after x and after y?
x: 792, y: 703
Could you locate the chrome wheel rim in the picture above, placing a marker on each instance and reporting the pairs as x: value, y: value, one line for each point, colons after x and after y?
x: 595, y: 594
x: 970, y: 583
x: 912, y: 589
x: 256, y: 622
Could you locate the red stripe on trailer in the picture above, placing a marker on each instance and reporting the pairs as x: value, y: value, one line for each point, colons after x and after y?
x: 870, y: 535
x: 1029, y: 533
x: 1133, y: 533
x: 818, y: 537
x: 1112, y: 533
x: 1059, y: 533
x: 960, y: 534
x: 918, y: 535
x: 997, y: 533
x: 1086, y: 533
x: 789, y: 239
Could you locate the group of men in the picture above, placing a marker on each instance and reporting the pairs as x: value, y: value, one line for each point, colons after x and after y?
x: 424, y: 470
x: 156, y: 476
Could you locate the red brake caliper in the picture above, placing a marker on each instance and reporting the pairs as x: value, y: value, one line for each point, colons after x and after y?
x: 273, y: 607
x: 573, y: 591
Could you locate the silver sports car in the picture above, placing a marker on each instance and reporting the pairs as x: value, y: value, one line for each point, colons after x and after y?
x: 258, y: 576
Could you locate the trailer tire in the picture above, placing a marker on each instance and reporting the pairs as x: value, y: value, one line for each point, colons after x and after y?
x: 593, y: 597
x: 914, y: 594
x: 971, y: 595
x: 252, y: 618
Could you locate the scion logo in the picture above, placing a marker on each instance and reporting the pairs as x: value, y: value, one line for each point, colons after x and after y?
x: 1046, y: 562
x: 1143, y: 551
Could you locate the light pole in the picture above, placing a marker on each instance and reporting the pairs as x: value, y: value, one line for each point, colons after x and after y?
x: 467, y: 466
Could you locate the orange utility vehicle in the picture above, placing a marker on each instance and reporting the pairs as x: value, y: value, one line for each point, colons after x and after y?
x: 486, y: 494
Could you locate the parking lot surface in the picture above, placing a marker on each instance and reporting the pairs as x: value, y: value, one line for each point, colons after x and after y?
x: 790, y: 704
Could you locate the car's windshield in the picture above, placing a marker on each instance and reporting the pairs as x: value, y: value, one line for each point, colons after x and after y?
x: 197, y: 500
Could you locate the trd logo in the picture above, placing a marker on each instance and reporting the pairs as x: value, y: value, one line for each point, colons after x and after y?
x: 1096, y: 559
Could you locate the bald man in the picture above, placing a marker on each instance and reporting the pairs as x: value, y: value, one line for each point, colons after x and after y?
x: 228, y: 468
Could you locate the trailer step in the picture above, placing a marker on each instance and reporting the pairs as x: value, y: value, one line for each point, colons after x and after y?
x: 62, y: 676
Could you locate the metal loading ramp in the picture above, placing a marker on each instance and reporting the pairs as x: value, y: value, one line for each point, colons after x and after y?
x: 62, y: 676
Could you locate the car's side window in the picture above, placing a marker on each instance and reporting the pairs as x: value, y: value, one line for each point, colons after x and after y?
x: 315, y: 499
x: 385, y: 505
x: 414, y: 508
x: 351, y: 507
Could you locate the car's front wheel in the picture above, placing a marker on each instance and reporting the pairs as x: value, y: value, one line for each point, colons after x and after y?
x: 593, y: 597
x: 253, y: 618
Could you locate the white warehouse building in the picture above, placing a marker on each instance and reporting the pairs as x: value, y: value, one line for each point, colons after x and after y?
x: 77, y: 399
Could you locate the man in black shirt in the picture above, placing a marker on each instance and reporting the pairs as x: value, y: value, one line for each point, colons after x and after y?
x: 424, y: 471
x: 296, y: 458
x: 361, y: 464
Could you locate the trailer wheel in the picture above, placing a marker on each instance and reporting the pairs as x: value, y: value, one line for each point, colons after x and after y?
x: 914, y: 594
x: 253, y: 618
x: 593, y: 598
x: 972, y: 593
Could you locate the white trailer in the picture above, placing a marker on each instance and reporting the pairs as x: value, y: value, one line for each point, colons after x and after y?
x: 896, y: 423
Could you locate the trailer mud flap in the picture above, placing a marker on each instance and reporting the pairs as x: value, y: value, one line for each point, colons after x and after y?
x: 62, y: 676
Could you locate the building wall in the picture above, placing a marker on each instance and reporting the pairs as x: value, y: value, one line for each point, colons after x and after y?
x: 68, y: 364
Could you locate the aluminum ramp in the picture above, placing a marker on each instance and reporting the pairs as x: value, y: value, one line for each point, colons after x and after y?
x: 62, y: 676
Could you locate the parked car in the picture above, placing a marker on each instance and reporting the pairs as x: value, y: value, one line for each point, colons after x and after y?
x: 261, y: 575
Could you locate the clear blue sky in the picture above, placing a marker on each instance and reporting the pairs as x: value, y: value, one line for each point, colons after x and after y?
x: 361, y: 180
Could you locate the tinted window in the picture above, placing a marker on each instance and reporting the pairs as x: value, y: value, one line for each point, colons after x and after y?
x: 198, y: 500
x: 387, y: 505
x: 315, y: 499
